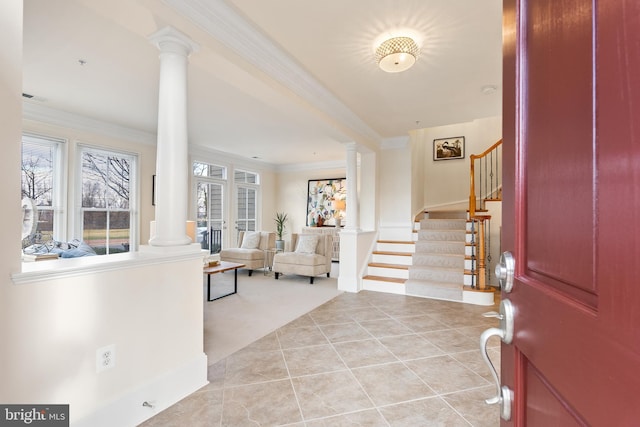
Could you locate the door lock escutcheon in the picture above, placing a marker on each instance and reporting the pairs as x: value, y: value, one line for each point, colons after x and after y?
x: 506, y: 270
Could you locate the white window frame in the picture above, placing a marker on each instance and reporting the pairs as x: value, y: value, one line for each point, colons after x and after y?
x: 59, y: 196
x: 134, y: 199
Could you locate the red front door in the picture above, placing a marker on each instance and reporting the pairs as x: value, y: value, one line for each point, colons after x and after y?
x: 571, y: 210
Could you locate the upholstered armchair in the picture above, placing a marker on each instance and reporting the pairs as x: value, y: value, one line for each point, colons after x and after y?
x: 310, y: 255
x: 251, y: 249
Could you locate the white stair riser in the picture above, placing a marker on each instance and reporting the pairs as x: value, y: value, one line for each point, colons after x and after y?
x: 392, y: 259
x: 388, y: 272
x: 396, y: 247
x: 382, y: 286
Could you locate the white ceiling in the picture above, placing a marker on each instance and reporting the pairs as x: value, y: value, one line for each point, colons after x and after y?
x: 286, y: 81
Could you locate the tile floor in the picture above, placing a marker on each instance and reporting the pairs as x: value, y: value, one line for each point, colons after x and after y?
x: 366, y: 359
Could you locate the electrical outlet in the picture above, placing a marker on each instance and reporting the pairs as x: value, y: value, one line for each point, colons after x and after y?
x: 105, y: 358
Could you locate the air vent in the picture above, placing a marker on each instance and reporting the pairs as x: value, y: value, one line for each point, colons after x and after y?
x: 26, y: 95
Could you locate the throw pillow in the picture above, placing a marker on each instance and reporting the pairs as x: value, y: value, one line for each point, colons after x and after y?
x: 307, y: 244
x: 251, y: 240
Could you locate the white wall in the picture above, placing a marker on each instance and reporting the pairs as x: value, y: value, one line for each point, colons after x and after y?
x: 50, y: 330
x: 443, y: 182
x: 291, y: 190
x: 395, y: 193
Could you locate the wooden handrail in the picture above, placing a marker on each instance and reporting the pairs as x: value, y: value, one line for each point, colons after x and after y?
x: 472, y: 177
x: 487, y: 151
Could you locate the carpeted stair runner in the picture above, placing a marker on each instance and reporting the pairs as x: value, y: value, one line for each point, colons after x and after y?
x: 438, y: 261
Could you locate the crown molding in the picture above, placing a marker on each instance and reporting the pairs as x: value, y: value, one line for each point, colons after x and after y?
x: 41, y: 113
x: 224, y: 24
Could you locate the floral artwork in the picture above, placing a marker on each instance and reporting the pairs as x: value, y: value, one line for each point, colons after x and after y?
x: 326, y: 202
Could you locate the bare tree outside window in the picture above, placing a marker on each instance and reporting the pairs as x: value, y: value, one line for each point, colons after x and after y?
x: 38, y: 165
x: 106, y: 191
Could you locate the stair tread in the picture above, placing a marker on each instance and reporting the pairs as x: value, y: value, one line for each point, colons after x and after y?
x: 384, y: 279
x: 393, y: 253
x: 400, y: 242
x: 388, y: 265
x: 432, y: 267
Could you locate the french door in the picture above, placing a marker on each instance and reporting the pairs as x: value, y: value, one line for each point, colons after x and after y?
x: 211, y: 218
x: 246, y: 208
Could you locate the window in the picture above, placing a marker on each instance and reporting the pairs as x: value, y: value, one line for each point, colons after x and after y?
x: 208, y: 170
x: 210, y: 206
x: 107, y: 180
x: 240, y: 176
x: 246, y: 200
x: 41, y: 184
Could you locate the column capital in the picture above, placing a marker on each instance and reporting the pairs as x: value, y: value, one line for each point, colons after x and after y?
x: 168, y: 39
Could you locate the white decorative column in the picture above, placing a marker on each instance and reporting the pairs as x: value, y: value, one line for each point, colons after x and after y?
x: 353, y: 212
x: 172, y: 163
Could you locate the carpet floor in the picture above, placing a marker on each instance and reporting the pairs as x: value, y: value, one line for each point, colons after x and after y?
x: 262, y: 305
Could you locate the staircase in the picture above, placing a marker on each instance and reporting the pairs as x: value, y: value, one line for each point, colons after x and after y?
x: 431, y: 266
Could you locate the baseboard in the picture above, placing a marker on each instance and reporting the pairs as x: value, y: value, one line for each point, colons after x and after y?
x: 160, y: 393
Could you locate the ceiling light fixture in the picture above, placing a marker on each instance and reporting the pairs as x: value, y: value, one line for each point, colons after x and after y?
x: 397, y: 54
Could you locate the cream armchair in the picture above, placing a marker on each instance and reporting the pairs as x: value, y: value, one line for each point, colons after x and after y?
x: 251, y: 249
x: 310, y: 256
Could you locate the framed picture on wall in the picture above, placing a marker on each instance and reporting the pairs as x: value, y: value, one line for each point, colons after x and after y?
x: 326, y: 202
x: 448, y: 148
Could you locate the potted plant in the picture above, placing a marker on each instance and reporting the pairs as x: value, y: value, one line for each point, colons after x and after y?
x: 281, y: 219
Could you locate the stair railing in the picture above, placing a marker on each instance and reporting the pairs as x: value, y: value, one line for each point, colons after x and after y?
x: 489, y: 185
x: 480, y: 256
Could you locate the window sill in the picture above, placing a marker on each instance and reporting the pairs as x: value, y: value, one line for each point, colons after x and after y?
x: 40, y: 271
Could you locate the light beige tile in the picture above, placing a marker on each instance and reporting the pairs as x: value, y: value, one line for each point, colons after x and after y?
x: 422, y: 323
x: 313, y: 360
x: 429, y: 412
x: 203, y: 408
x: 324, y: 316
x: 216, y: 373
x: 471, y: 405
x: 451, y: 341
x: 369, y: 313
x: 300, y: 322
x: 367, y: 418
x: 407, y: 347
x: 345, y: 332
x: 444, y: 374
x: 265, y: 404
x: 385, y: 328
x: 250, y: 367
x: 330, y: 394
x: 267, y: 343
x: 364, y: 353
x: 474, y: 361
x: 301, y: 337
x: 391, y: 383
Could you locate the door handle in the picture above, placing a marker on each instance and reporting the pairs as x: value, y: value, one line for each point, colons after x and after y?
x: 504, y: 395
x: 505, y: 271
